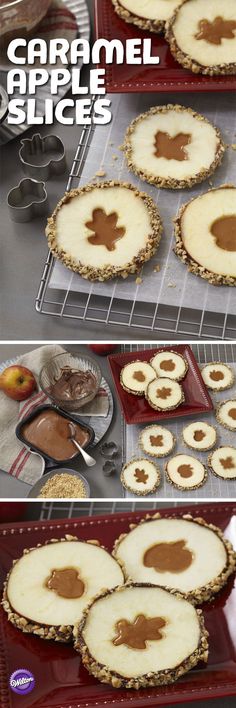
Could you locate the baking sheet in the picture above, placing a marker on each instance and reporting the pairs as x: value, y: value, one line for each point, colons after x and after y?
x: 214, y: 487
x: 173, y: 285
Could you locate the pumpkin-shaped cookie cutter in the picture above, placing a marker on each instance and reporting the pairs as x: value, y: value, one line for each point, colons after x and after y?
x: 32, y: 148
x: 27, y: 200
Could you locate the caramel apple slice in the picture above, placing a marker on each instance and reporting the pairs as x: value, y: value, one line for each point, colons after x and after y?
x: 217, y: 376
x: 205, y: 233
x: 50, y: 586
x: 226, y: 414
x: 170, y: 364
x: 173, y: 147
x: 136, y: 376
x: 164, y: 394
x: 140, y: 476
x: 202, y: 36
x: 140, y: 635
x: 104, y: 230
x: 222, y: 462
x: 199, y: 436
x: 149, y: 15
x: 157, y: 441
x: 185, y: 472
x: 185, y: 554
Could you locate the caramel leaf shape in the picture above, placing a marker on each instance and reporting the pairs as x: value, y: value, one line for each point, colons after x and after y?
x: 172, y: 148
x: 156, y: 440
x: 136, y: 634
x: 105, y: 229
x: 163, y: 393
x: 224, y: 230
x: 141, y: 476
x: 228, y: 463
x: 214, y: 32
x: 66, y: 583
x: 171, y: 557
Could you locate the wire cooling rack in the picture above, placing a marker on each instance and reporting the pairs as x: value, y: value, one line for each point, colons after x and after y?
x: 204, y: 353
x: 69, y: 510
x: 144, y: 317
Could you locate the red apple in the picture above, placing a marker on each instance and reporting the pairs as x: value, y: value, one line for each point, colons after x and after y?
x: 17, y: 382
x: 102, y: 349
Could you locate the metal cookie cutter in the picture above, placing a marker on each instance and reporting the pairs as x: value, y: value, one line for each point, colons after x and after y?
x: 109, y: 450
x: 109, y: 468
x: 28, y: 200
x: 32, y: 158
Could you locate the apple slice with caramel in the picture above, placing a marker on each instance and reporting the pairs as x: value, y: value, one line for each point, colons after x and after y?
x: 184, y: 554
x: 140, y: 476
x: 156, y: 440
x: 164, y: 394
x: 185, y: 472
x: 140, y: 635
x: 217, y: 376
x: 173, y: 147
x: 49, y: 587
x: 136, y: 376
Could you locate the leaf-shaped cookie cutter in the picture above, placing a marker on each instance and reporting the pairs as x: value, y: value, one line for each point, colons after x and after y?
x: 37, y: 145
x: 38, y: 200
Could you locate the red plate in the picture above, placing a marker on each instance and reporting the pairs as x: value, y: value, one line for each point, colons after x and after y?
x: 137, y: 410
x: 167, y: 76
x: 60, y: 680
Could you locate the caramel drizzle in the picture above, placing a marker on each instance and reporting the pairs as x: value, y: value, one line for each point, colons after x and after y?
x: 106, y: 232
x: 224, y: 230
x: 135, y: 635
x: 172, y: 557
x: 141, y: 476
x: 216, y: 375
x: 167, y: 365
x: 214, y: 32
x: 199, y: 435
x: 139, y: 376
x: 163, y: 393
x: 66, y: 583
x: 228, y: 463
x: 172, y: 148
x: 185, y: 471
x: 156, y: 440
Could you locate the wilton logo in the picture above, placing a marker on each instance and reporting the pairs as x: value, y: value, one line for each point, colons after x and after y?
x: 22, y: 681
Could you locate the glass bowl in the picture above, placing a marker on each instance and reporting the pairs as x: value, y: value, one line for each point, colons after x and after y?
x: 17, y: 16
x: 51, y: 372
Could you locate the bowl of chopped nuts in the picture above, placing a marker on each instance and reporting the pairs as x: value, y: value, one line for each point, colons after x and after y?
x: 61, y: 483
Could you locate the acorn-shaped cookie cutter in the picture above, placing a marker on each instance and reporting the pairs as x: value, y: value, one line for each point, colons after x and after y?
x: 36, y: 146
x: 27, y: 201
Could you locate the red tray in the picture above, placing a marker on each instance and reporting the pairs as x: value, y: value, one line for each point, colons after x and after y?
x: 60, y: 680
x: 167, y: 76
x: 137, y: 410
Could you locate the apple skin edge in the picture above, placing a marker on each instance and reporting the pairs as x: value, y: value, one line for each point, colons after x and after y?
x: 17, y: 382
x: 102, y: 349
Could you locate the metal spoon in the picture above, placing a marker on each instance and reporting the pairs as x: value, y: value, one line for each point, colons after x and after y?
x: 90, y: 461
